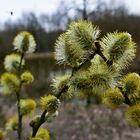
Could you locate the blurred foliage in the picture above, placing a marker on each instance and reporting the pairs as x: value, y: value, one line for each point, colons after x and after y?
x: 46, y: 28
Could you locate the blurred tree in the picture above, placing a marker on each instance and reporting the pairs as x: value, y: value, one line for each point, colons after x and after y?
x: 46, y: 28
x: 33, y: 24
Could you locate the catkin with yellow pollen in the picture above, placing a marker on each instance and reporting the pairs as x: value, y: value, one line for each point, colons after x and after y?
x: 10, y: 83
x: 130, y: 85
x: 50, y: 103
x: 42, y: 134
x: 27, y: 78
x: 27, y: 106
x: 113, y: 98
x: 12, y: 124
x: 132, y: 115
x: 12, y: 62
x: 24, y: 42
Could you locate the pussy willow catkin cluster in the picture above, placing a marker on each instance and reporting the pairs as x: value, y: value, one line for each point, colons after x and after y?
x: 97, y: 66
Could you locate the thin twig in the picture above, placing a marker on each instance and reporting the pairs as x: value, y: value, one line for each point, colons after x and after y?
x: 19, y: 130
x: 99, y: 52
x: 127, y: 101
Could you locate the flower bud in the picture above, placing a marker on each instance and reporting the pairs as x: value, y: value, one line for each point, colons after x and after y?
x: 12, y: 62
x: 27, y: 78
x: 27, y: 106
x: 12, y: 124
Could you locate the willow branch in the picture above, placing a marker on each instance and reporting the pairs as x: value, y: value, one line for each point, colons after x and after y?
x: 65, y: 88
x: 19, y: 130
x: 42, y: 120
x: 99, y: 52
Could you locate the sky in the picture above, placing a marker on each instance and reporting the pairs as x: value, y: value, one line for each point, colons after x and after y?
x: 45, y: 6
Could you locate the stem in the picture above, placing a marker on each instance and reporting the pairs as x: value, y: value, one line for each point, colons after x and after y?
x: 88, y: 101
x: 42, y: 120
x: 85, y: 16
x: 20, y: 63
x: 99, y: 52
x: 19, y: 130
x: 127, y: 101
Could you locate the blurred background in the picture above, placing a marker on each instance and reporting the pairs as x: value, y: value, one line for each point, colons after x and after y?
x: 46, y: 20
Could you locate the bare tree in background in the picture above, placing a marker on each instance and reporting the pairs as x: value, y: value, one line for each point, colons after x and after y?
x: 85, y: 16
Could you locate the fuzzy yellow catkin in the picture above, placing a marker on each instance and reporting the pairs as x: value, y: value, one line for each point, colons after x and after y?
x: 27, y: 106
x: 12, y: 61
x: 132, y: 115
x: 50, y: 103
x: 80, y: 80
x: 131, y: 87
x: 12, y: 124
x: 2, y: 134
x: 130, y: 78
x: 27, y: 78
x: 42, y: 134
x: 10, y: 83
x: 119, y: 48
x: 113, y: 98
x: 59, y: 81
x: 24, y: 42
x: 101, y: 77
x: 81, y: 34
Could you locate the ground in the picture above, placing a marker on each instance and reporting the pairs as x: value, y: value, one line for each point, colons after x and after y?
x: 77, y: 122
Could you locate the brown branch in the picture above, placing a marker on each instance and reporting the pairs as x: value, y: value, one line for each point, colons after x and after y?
x: 127, y: 101
x: 99, y: 52
x: 19, y: 130
x: 36, y: 127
